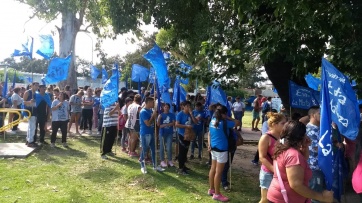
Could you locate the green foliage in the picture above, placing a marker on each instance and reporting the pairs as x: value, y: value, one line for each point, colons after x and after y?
x: 236, y: 93
x: 26, y: 65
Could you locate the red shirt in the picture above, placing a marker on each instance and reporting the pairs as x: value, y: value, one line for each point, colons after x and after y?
x: 288, y: 158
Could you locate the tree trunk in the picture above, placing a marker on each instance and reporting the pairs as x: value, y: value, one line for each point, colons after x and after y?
x: 67, y: 35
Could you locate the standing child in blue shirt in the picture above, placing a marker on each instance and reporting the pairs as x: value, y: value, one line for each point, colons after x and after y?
x: 199, y: 114
x: 184, y: 119
x: 166, y: 122
x: 147, y: 129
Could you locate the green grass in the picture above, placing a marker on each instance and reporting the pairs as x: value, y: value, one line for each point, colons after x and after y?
x: 78, y: 174
x: 247, y: 118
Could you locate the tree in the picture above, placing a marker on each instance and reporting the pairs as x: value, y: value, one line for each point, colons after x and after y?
x: 80, y: 15
x: 27, y: 65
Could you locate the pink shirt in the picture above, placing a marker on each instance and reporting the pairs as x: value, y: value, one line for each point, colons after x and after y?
x: 270, y: 152
x: 291, y: 157
x: 357, y: 177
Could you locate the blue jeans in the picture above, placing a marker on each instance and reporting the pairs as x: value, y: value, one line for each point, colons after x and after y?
x: 238, y: 115
x: 317, y: 182
x: 147, y: 141
x: 167, y: 140
x: 199, y: 138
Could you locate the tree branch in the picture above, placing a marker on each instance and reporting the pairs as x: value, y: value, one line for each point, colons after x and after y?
x: 86, y: 28
x: 30, y: 18
x: 82, y: 13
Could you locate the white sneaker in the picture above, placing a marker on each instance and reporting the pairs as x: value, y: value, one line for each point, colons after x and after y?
x: 65, y: 144
x: 144, y: 170
x: 89, y: 132
x: 170, y: 163
x: 83, y: 131
x: 52, y: 145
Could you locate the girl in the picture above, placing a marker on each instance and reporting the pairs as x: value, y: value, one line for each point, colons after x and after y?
x: 87, y: 110
x: 218, y: 146
x: 60, y: 118
x: 266, y: 145
x: 75, y: 102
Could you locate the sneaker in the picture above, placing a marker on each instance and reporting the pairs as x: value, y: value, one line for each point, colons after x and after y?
x: 83, y: 131
x: 52, y: 145
x: 192, y: 157
x: 254, y: 162
x: 163, y: 164
x: 124, y: 150
x: 89, y: 132
x: 184, y: 172
x: 133, y: 154
x: 211, y: 192
x: 144, y: 170
x: 199, y: 157
x: 32, y: 145
x: 187, y: 168
x: 170, y: 164
x: 256, y: 129
x: 111, y: 154
x: 44, y: 142
x: 104, y: 157
x: 220, y: 198
x: 226, y: 188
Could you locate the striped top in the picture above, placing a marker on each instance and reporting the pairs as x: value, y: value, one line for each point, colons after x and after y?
x: 108, y: 120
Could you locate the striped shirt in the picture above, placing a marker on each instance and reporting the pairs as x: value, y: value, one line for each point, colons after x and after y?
x: 108, y: 120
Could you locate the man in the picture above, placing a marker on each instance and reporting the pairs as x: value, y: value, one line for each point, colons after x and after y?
x: 316, y: 183
x: 238, y: 109
x: 43, y: 105
x: 256, y: 113
x: 184, y: 119
x: 30, y: 105
x: 147, y: 129
x: 109, y: 130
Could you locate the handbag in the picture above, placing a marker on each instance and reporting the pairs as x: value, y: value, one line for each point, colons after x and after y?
x: 239, y: 139
x: 189, y: 134
x: 281, y: 184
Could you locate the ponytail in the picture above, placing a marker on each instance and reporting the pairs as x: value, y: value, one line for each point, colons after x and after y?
x: 218, y: 117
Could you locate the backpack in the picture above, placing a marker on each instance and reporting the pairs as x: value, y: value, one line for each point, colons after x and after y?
x: 266, y: 107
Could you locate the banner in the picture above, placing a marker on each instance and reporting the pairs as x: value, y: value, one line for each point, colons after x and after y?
x: 94, y: 72
x: 46, y: 49
x: 58, y: 70
x: 312, y: 81
x: 185, y: 70
x: 109, y: 94
x: 302, y: 97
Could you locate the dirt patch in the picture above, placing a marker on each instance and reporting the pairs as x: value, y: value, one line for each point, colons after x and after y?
x: 242, y: 161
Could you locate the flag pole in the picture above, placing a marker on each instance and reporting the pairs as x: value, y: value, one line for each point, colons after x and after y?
x: 155, y: 108
x: 3, y: 105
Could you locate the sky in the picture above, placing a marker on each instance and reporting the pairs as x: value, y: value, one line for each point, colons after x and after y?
x: 14, y: 27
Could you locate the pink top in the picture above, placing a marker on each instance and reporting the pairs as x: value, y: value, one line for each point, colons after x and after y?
x: 357, y: 177
x: 291, y: 157
x: 270, y: 152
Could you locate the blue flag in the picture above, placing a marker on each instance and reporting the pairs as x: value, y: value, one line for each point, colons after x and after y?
x: 94, y: 72
x: 217, y: 95
x: 46, y: 49
x: 302, y: 97
x: 5, y: 88
x: 179, y: 94
x: 104, y: 75
x: 26, y: 48
x: 29, y: 79
x: 339, y: 104
x: 185, y: 69
x: 39, y: 98
x: 342, y: 100
x: 207, y: 100
x: 139, y: 73
x: 152, y: 76
x: 14, y: 80
x: 312, y: 81
x: 109, y: 94
x: 155, y: 57
x: 58, y: 70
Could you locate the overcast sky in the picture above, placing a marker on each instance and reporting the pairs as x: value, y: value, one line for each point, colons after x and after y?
x: 13, y: 16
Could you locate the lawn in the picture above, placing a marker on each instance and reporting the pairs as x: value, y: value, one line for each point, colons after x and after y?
x: 78, y: 174
x: 247, y: 120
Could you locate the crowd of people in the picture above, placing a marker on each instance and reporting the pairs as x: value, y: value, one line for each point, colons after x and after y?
x: 287, y: 150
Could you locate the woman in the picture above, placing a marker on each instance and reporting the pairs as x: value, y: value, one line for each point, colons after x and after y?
x: 357, y: 173
x: 60, y: 118
x: 75, y: 102
x: 166, y: 123
x: 266, y: 145
x: 16, y: 104
x: 218, y: 146
x: 291, y: 154
x: 87, y: 111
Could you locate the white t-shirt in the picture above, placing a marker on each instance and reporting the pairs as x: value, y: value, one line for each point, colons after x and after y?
x: 76, y: 107
x: 132, y: 115
x: 62, y: 113
x: 16, y: 97
x: 238, y: 106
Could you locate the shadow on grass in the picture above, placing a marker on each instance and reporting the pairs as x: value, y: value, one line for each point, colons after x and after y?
x: 102, y: 174
x: 48, y: 154
x: 89, y: 141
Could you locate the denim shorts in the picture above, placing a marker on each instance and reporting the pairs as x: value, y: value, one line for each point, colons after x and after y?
x: 265, y: 179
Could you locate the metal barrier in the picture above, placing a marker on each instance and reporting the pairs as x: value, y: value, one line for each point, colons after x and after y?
x: 17, y: 121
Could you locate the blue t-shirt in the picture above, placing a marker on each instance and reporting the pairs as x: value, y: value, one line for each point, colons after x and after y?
x: 183, y: 119
x: 97, y: 101
x: 165, y: 119
x: 146, y: 114
x: 217, y: 135
x: 199, y: 125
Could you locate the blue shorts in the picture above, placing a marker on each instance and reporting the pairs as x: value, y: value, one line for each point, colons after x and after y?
x: 256, y: 114
x: 265, y: 179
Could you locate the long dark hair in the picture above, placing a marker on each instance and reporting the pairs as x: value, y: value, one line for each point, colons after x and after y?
x: 218, y: 114
x: 292, y: 134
